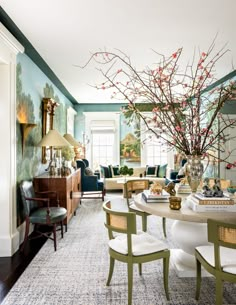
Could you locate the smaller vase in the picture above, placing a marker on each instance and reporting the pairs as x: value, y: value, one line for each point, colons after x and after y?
x: 175, y: 203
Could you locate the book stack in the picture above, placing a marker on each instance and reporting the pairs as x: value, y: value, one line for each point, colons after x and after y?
x: 199, y: 203
x: 184, y: 188
x: 154, y: 198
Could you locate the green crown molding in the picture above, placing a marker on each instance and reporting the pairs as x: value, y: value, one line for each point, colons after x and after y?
x: 228, y: 108
x: 220, y: 81
x: 34, y: 55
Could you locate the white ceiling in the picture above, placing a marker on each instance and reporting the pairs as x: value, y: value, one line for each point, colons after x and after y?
x: 65, y: 32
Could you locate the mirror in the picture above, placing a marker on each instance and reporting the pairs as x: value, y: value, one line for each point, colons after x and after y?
x: 48, y: 111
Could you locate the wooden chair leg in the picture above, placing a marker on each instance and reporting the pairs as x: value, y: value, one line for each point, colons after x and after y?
x: 140, y: 269
x: 55, y: 236
x: 144, y: 223
x: 219, y: 291
x: 166, y: 276
x: 26, y: 235
x: 103, y: 194
x: 61, y: 224
x: 111, y: 268
x: 164, y: 226
x: 199, y: 279
x: 130, y: 282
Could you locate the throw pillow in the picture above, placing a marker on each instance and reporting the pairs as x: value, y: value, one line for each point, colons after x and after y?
x: 162, y: 171
x: 105, y: 173
x: 151, y: 171
x: 181, y: 171
x: 115, y: 170
x: 88, y: 171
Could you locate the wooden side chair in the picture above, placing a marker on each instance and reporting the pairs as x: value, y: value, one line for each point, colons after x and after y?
x: 132, y: 248
x: 134, y: 187
x: 39, y: 212
x: 218, y: 259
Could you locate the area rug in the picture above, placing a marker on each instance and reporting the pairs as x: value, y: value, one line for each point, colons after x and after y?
x: 76, y: 273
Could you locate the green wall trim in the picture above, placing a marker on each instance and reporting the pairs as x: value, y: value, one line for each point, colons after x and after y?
x: 102, y: 107
x: 220, y: 81
x: 34, y: 55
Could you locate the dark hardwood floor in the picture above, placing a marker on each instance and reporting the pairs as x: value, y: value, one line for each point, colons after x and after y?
x: 12, y: 267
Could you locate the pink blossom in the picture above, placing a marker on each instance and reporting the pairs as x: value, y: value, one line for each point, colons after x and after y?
x: 174, y: 55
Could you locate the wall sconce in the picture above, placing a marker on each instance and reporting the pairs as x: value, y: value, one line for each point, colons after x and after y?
x: 25, y: 130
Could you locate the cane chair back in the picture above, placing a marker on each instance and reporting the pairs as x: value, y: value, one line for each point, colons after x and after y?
x: 219, y: 259
x: 134, y: 187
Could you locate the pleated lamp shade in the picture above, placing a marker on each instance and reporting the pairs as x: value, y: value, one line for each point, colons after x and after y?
x: 71, y: 140
x: 54, y: 138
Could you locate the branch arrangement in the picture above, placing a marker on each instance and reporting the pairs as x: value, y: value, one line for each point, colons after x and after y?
x: 179, y: 107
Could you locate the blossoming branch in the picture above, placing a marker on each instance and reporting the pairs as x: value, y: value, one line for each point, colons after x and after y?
x: 174, y: 103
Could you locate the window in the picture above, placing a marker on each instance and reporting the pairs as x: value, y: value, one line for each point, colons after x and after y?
x: 102, y: 148
x: 102, y: 129
x: 156, y: 151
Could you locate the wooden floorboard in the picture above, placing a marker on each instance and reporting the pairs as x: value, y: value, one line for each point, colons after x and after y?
x: 12, y: 267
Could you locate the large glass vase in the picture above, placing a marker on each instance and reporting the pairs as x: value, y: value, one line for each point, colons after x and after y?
x: 194, y: 170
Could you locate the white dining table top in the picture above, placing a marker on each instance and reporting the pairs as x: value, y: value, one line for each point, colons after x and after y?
x: 184, y: 214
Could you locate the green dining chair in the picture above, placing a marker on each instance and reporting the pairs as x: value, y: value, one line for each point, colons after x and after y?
x: 134, y: 187
x: 219, y: 259
x: 132, y: 248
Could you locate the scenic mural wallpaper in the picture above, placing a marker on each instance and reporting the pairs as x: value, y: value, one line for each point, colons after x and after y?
x: 32, y: 85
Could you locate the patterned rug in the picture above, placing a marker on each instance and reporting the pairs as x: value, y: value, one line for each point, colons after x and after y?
x: 76, y: 273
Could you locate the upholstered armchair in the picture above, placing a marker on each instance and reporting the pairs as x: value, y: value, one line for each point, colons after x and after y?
x: 91, y: 186
x: 39, y: 212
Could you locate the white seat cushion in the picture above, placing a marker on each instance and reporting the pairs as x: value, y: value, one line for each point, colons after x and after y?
x: 142, y: 244
x: 227, y: 255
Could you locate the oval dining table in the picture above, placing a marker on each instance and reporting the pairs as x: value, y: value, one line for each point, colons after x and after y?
x: 188, y: 230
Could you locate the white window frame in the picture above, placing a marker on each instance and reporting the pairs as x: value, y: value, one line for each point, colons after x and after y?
x: 102, y: 119
x: 143, y: 135
x: 103, y: 133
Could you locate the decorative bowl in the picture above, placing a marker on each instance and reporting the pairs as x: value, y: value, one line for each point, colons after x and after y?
x: 231, y: 189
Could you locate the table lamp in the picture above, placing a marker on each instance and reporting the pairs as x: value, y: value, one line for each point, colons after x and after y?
x: 76, y: 144
x: 53, y: 139
x: 69, y: 138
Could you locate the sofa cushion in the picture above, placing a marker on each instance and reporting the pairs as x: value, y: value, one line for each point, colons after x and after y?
x: 115, y: 170
x: 139, y: 171
x: 105, y: 171
x: 151, y: 171
x: 162, y: 171
x: 88, y: 171
x: 181, y: 171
